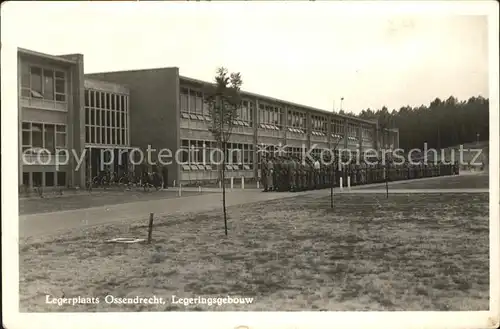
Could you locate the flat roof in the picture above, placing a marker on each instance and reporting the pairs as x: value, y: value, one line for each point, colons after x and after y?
x: 106, y: 86
x: 59, y: 59
x: 277, y: 100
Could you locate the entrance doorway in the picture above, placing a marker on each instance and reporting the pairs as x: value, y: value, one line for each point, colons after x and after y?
x: 99, y: 160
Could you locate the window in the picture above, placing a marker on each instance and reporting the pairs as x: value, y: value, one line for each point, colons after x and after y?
x: 26, y: 136
x: 25, y: 81
x: 192, y: 101
x: 108, y: 136
x: 184, y: 100
x: 26, y: 178
x: 42, y: 83
x: 37, y: 179
x: 36, y: 82
x: 98, y: 135
x: 199, y: 102
x: 49, y: 179
x: 87, y: 134
x: 60, y: 86
x: 118, y: 103
x: 98, y: 99
x: 61, y: 178
x: 36, y: 135
x: 206, y: 108
x: 48, y: 89
x: 103, y: 134
x: 108, y: 118
x: 97, y: 114
x: 122, y: 103
x: 50, y: 142
x: 185, y: 151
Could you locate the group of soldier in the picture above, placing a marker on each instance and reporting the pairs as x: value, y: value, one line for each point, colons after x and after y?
x: 289, y: 173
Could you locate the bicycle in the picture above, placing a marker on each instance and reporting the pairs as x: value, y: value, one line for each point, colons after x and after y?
x: 126, y: 181
x: 39, y: 190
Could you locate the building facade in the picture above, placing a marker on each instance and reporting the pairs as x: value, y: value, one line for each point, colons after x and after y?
x: 63, y: 119
x: 62, y: 108
x: 168, y: 111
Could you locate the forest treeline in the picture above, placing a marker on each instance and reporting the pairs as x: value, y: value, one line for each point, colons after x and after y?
x: 440, y: 124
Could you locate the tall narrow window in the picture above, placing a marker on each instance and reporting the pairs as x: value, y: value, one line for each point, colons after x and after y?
x: 87, y: 116
x: 184, y: 100
x: 60, y: 86
x: 36, y: 134
x: 108, y: 106
x: 37, y: 178
x: 26, y: 179
x: 61, y: 178
x: 50, y: 142
x: 192, y: 101
x: 92, y: 98
x: 36, y: 82
x: 103, y: 101
x: 98, y: 99
x: 87, y: 134
x: 48, y: 86
x: 199, y: 102
x: 25, y: 81
x: 49, y: 179
x: 206, y: 107
x: 97, y: 117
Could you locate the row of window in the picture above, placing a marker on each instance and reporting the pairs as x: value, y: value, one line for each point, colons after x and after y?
x: 367, y: 134
x: 105, y: 100
x: 43, y: 135
x: 204, y: 153
x: 269, y: 117
x: 44, y: 179
x: 106, y: 135
x: 297, y: 120
x: 105, y: 118
x: 337, y: 127
x: 319, y: 124
x: 193, y: 107
x: 191, y: 101
x: 43, y: 83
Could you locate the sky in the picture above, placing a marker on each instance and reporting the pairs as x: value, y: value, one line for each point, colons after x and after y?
x: 310, y: 53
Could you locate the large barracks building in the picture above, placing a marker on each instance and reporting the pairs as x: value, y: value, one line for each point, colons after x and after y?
x: 61, y: 107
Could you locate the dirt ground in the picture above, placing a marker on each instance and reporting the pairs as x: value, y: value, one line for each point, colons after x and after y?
x: 409, y: 252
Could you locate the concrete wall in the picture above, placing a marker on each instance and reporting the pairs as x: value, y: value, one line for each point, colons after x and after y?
x: 45, y: 111
x: 76, y: 92
x: 154, y: 104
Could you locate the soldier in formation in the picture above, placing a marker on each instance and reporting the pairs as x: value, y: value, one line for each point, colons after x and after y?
x: 289, y: 173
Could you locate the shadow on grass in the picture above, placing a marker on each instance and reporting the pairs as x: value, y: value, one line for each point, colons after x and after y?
x: 369, y: 253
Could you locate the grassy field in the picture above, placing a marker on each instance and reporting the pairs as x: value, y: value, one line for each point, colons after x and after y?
x: 455, y: 182
x: 95, y: 199
x: 410, y: 252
